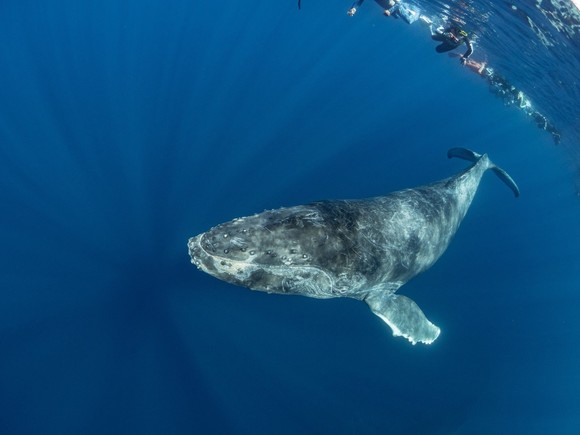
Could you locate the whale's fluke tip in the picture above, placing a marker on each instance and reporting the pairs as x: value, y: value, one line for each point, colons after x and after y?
x: 463, y: 153
x: 472, y: 156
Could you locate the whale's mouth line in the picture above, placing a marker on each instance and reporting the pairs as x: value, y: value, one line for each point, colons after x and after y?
x: 199, y: 244
x: 197, y: 252
x: 203, y: 254
x: 214, y: 256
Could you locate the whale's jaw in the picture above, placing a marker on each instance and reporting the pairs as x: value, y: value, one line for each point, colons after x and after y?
x: 205, y: 256
x: 300, y: 279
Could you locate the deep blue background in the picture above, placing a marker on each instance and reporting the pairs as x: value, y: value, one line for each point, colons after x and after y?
x: 127, y: 127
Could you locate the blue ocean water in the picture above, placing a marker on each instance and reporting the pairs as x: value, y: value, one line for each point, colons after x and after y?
x: 128, y: 127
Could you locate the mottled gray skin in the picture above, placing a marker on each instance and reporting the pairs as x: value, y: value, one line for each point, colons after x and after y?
x: 362, y: 249
x: 339, y: 248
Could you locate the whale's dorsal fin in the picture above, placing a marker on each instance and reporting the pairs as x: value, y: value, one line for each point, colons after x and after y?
x: 404, y: 317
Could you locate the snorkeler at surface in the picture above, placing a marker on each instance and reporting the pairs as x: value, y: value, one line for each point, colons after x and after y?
x: 476, y: 67
x: 512, y: 96
x: 385, y: 4
x: 393, y: 8
x: 452, y: 37
x: 409, y: 14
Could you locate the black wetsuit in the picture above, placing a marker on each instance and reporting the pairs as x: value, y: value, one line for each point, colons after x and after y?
x: 449, y: 42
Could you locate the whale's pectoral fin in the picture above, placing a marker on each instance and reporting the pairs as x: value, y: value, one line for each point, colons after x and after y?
x: 404, y: 317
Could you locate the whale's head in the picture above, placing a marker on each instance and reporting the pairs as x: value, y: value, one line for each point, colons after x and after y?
x: 277, y: 251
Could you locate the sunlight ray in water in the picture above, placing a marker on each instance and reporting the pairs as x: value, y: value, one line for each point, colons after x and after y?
x: 128, y: 127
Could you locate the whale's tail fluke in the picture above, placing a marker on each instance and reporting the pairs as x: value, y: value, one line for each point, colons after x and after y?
x: 472, y: 156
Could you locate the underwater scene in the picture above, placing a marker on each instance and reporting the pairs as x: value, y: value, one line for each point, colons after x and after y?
x: 290, y: 217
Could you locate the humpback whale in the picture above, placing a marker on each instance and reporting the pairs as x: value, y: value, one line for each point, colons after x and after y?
x: 363, y: 249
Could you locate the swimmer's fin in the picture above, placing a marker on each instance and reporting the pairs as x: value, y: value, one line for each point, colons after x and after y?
x: 404, y: 317
x: 472, y: 156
